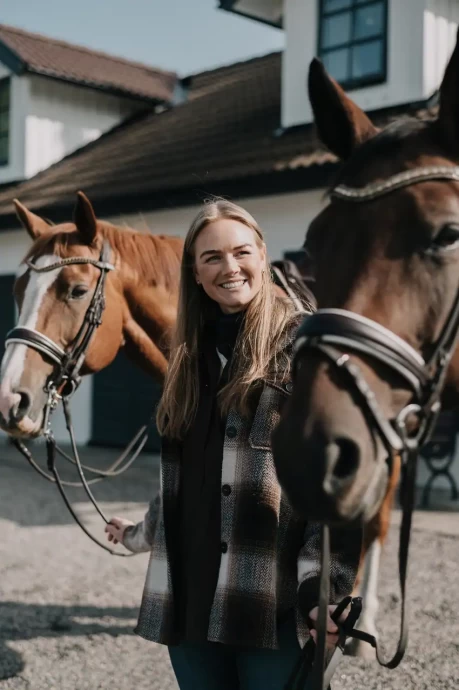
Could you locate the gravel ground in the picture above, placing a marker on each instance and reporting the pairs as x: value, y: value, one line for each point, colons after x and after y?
x: 67, y: 609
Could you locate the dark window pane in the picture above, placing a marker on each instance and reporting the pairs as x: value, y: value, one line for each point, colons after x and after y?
x: 367, y: 60
x: 332, y: 5
x: 336, y: 63
x: 4, y: 122
x: 369, y: 21
x: 3, y: 150
x: 336, y: 30
x: 4, y: 95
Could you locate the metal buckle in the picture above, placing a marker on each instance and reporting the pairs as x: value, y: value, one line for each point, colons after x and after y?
x: 51, y: 405
x: 70, y: 385
x: 411, y: 442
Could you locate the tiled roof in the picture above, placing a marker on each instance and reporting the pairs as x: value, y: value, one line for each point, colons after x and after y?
x: 60, y: 60
x: 224, y: 139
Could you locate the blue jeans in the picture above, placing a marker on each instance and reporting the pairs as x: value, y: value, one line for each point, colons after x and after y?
x: 214, y: 666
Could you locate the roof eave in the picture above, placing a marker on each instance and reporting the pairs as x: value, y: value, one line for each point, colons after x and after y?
x: 288, y: 180
x: 11, y: 60
x: 112, y: 90
x: 19, y: 67
x: 229, y: 6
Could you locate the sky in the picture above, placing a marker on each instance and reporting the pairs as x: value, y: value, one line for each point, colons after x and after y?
x: 186, y: 36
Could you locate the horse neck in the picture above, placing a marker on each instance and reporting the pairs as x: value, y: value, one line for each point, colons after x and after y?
x: 148, y: 271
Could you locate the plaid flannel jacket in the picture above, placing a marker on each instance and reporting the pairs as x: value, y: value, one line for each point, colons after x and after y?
x: 268, y: 551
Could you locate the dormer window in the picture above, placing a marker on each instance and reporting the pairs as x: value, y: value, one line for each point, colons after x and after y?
x: 353, y: 40
x: 4, y: 121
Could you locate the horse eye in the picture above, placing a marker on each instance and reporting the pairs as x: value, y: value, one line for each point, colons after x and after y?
x: 447, y: 238
x: 78, y: 292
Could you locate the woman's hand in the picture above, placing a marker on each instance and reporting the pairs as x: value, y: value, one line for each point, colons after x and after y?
x: 116, y: 528
x: 332, y: 628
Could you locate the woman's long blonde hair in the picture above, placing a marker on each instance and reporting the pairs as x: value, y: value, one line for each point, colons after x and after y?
x: 256, y: 346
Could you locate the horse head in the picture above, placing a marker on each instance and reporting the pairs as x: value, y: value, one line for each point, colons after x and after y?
x: 54, y: 291
x: 386, y: 249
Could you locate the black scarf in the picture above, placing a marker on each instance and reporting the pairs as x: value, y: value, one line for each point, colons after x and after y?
x: 227, y: 329
x: 200, y: 490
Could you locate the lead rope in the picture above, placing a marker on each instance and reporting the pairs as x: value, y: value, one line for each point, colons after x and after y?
x: 114, y: 470
x: 51, y: 453
x: 53, y: 475
x: 310, y: 672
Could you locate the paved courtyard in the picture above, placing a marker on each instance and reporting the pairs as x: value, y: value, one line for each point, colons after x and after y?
x: 67, y: 609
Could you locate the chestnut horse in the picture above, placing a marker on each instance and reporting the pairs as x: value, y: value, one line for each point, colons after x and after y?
x: 140, y: 306
x: 386, y: 251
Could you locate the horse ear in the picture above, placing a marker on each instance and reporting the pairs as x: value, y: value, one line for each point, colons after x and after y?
x: 448, y: 117
x: 341, y: 124
x: 85, y: 218
x: 34, y: 225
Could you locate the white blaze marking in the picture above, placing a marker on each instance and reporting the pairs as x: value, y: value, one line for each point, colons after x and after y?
x: 37, y: 287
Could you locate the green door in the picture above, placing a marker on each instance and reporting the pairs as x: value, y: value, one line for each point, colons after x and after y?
x: 123, y: 399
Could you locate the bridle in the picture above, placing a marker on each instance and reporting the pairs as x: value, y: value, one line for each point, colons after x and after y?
x: 64, y: 382
x: 67, y: 373
x: 336, y: 334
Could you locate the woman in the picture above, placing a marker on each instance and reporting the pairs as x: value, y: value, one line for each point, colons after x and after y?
x: 233, y: 573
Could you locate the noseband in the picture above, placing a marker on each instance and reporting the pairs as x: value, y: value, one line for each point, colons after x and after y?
x: 337, y: 334
x: 66, y: 377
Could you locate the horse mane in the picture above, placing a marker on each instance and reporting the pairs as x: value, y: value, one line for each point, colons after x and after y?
x: 156, y: 258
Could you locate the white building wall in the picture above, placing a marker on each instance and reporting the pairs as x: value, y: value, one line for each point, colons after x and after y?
x: 284, y: 218
x: 49, y: 119
x: 441, y: 19
x: 404, y: 66
x: 63, y: 117
x: 14, y: 170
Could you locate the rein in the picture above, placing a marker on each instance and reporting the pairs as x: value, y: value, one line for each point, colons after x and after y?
x: 336, y: 334
x: 64, y: 384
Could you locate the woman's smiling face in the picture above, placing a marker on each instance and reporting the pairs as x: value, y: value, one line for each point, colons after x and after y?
x: 229, y: 263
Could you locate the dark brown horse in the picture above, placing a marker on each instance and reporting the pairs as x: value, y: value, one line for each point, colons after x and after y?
x: 386, y: 249
x: 140, y: 306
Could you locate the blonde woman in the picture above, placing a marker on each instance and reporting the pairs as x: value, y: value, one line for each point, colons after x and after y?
x: 233, y: 572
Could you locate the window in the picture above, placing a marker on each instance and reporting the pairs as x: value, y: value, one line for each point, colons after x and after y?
x: 4, y: 120
x: 353, y: 40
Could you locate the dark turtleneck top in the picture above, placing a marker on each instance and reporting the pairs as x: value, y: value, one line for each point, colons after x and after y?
x: 200, y: 485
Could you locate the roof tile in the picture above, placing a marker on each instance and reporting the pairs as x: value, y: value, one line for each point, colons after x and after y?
x: 58, y: 59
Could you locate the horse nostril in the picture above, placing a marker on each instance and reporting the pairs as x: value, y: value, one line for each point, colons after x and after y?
x: 342, y: 463
x: 347, y: 461
x: 22, y: 407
